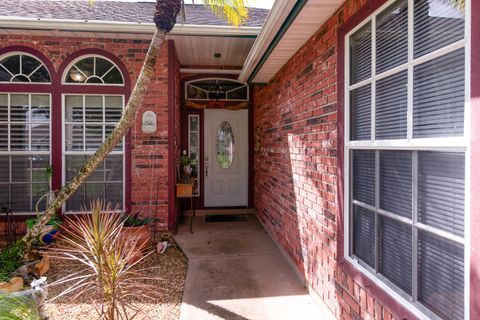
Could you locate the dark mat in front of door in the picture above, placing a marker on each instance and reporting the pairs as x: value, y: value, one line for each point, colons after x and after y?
x: 226, y: 218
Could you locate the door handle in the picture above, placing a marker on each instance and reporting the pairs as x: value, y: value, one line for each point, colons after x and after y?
x: 206, y: 166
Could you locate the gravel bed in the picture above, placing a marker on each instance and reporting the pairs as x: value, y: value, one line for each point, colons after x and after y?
x: 171, y: 267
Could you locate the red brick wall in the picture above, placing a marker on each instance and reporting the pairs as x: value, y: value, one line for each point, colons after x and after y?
x: 149, y: 151
x: 296, y: 169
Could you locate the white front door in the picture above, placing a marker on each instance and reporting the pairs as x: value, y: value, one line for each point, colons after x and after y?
x: 226, y: 158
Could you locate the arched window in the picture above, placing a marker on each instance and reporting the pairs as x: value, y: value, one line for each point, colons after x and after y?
x: 88, y: 119
x: 22, y: 67
x: 94, y: 70
x: 25, y: 123
x: 216, y: 89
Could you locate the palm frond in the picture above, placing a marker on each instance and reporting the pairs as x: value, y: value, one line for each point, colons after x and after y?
x: 235, y: 12
x: 456, y: 4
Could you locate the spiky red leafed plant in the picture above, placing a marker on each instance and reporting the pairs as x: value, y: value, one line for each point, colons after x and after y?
x: 107, y: 275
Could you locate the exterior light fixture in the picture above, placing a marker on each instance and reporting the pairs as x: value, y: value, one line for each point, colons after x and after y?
x: 217, y: 90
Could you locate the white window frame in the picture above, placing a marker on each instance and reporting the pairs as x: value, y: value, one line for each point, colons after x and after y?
x: 27, y: 152
x: 70, y: 65
x: 453, y: 144
x: 190, y: 116
x: 21, y: 53
x: 66, y: 153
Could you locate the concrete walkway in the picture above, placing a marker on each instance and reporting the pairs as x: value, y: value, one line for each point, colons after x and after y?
x: 235, y: 272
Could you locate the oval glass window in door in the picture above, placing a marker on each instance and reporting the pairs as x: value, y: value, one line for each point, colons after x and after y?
x: 225, y: 145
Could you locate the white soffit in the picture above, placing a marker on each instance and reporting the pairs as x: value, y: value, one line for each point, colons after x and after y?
x: 310, y: 18
x: 199, y: 50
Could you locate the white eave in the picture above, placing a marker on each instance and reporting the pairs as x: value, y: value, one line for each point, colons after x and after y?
x: 287, y: 28
x: 276, y: 17
x: 9, y: 22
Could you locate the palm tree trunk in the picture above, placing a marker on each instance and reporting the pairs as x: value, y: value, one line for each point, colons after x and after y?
x: 125, y: 122
x: 166, y: 12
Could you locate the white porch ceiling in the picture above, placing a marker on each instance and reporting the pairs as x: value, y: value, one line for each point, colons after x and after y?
x: 310, y: 18
x: 199, y: 50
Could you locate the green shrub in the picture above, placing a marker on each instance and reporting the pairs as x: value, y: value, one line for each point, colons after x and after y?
x: 11, y: 258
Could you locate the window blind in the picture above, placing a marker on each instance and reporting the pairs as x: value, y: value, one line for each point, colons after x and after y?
x: 439, y: 96
x: 360, y: 120
x: 25, y: 129
x: 361, y: 59
x: 395, y: 253
x: 392, y: 37
x: 364, y: 235
x: 391, y: 107
x: 441, y: 190
x: 396, y: 182
x: 437, y: 24
x: 441, y: 276
x: 364, y: 176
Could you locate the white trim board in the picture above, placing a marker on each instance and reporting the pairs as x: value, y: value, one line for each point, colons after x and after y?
x: 116, y: 26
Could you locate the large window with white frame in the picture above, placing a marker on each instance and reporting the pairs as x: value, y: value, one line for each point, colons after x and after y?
x: 406, y: 151
x: 88, y: 120
x: 24, y: 134
x: 24, y: 149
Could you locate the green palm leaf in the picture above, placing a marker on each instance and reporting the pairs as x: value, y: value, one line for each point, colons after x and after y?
x: 235, y: 12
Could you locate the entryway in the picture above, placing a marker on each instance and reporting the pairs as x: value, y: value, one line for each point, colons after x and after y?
x: 236, y: 272
x: 216, y: 130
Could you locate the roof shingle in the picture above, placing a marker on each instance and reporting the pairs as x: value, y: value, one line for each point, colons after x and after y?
x: 136, y: 12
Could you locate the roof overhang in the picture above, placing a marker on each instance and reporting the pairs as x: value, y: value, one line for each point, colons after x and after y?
x: 196, y: 44
x: 288, y: 26
x: 97, y: 26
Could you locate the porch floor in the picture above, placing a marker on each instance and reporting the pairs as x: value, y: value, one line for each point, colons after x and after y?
x: 236, y: 272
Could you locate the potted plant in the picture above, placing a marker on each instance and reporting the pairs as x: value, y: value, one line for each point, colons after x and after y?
x: 185, y: 185
x: 136, y: 232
